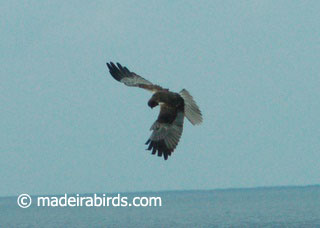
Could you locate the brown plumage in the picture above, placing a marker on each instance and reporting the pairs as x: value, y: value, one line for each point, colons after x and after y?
x: 167, y: 129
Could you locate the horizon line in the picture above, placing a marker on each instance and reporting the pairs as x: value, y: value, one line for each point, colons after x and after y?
x: 179, y: 190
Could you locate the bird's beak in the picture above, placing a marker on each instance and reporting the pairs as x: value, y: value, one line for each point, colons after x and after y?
x: 152, y: 104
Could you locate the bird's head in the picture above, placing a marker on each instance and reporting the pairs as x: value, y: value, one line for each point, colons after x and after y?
x: 152, y: 103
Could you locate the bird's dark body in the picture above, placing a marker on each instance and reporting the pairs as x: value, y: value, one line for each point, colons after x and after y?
x: 171, y: 103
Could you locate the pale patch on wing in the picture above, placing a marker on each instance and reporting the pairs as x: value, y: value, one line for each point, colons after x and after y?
x: 191, y: 109
x: 134, y: 80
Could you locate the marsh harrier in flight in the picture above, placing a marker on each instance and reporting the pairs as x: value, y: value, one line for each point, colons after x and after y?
x: 167, y: 129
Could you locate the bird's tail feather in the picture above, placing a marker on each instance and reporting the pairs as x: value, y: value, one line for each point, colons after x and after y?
x: 191, y: 109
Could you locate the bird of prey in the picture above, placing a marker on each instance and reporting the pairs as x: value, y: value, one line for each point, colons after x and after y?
x: 167, y: 129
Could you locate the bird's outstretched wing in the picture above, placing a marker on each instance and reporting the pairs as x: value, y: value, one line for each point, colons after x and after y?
x: 165, y: 136
x: 122, y: 74
x: 191, y: 109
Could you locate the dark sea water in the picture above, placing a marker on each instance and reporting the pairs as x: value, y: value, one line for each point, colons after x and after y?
x: 260, y: 207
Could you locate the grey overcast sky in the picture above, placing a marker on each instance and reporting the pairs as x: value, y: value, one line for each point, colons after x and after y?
x: 68, y: 127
